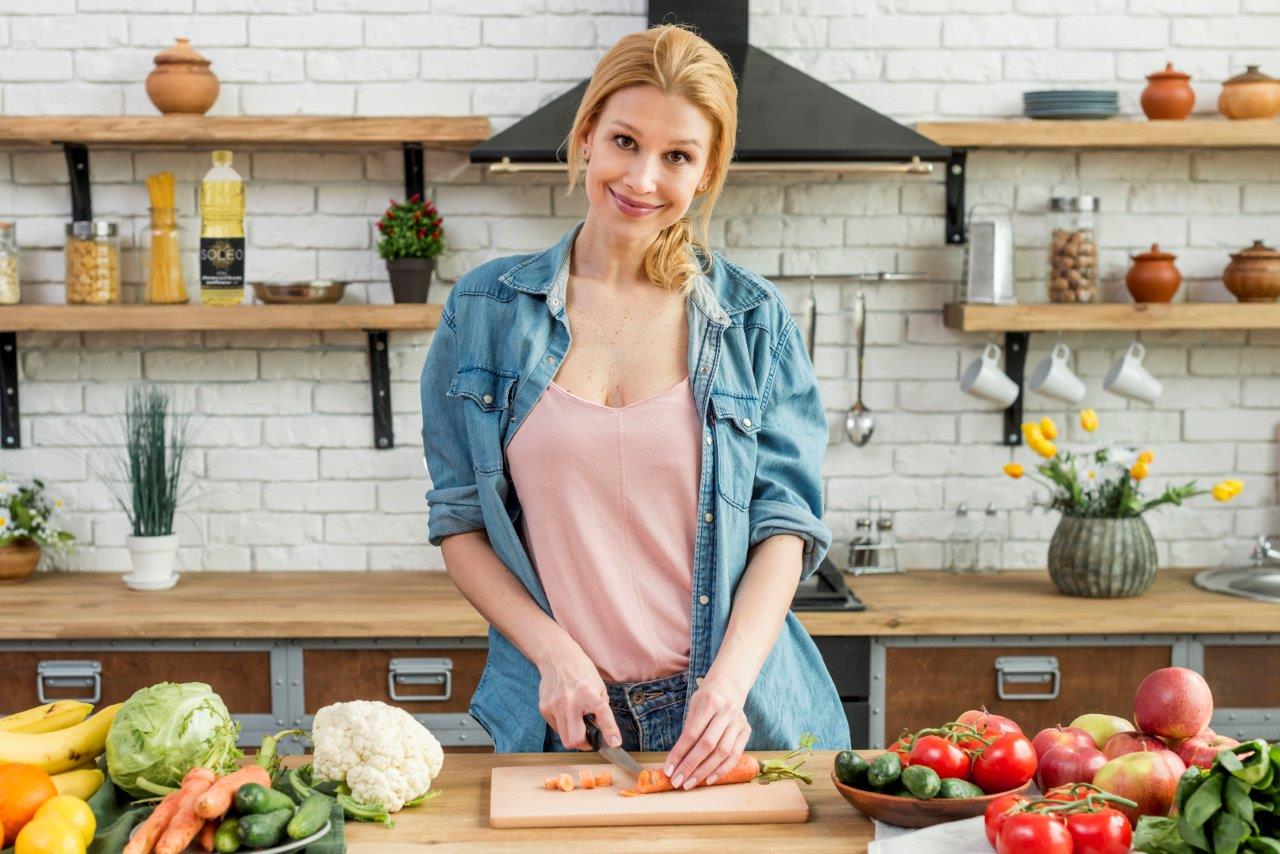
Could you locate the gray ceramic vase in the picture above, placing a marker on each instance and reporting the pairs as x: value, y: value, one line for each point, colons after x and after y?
x: 410, y: 278
x: 1102, y: 558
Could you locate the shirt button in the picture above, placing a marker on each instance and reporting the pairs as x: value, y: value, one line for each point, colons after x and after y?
x: 550, y: 360
x: 746, y: 422
x: 709, y: 518
x: 702, y: 370
x: 488, y: 398
x: 704, y: 599
x: 708, y: 438
x: 698, y: 681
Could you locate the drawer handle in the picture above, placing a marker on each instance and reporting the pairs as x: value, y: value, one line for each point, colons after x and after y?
x: 420, y: 671
x: 1027, y: 670
x: 69, y: 674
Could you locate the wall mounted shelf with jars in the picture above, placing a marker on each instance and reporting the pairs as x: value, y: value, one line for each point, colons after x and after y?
x: 1112, y: 317
x: 1203, y: 133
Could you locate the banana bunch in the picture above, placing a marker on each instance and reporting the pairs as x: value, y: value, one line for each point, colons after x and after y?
x: 57, y: 737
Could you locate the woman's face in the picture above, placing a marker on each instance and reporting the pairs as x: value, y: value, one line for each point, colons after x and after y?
x: 648, y: 157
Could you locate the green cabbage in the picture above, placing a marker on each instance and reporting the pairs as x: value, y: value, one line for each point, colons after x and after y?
x: 162, y: 732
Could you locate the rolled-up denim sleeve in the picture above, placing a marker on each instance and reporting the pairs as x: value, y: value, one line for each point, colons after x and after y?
x: 786, y: 495
x: 453, y: 501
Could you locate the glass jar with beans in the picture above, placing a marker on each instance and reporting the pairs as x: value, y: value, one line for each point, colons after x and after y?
x: 1073, y: 249
x: 93, y: 262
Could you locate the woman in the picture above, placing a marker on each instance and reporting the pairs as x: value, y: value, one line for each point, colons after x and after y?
x: 631, y: 506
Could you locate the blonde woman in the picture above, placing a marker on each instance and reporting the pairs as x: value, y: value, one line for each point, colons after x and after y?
x: 624, y: 436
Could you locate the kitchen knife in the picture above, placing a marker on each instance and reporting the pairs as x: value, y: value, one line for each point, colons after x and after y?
x: 616, y: 755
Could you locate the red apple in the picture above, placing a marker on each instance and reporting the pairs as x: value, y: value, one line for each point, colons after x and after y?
x: 1061, y: 736
x: 1069, y: 764
x: 1201, y: 751
x: 1173, y: 702
x: 1131, y: 742
x: 1146, y: 777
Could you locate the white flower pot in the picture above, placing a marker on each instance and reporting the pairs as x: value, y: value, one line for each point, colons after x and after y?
x: 153, y: 562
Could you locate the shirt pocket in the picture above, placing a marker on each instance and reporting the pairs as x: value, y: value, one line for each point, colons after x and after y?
x: 485, y: 396
x: 737, y: 426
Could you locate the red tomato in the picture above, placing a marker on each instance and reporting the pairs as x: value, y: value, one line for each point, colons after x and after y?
x: 989, y: 726
x: 941, y: 755
x: 998, y: 813
x: 1033, y: 833
x: 902, y: 747
x: 1069, y: 792
x: 1103, y: 832
x: 1005, y: 764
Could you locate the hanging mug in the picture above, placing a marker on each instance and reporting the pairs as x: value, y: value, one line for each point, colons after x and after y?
x: 983, y: 378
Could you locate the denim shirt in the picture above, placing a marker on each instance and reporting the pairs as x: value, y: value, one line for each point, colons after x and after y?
x: 502, y: 337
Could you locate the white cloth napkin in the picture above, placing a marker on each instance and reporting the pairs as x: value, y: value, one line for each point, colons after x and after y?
x: 954, y: 837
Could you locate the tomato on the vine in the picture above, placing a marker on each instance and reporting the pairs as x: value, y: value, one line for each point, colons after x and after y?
x: 1033, y: 833
x: 902, y: 747
x: 941, y: 755
x: 1005, y: 764
x: 1104, y: 832
x: 998, y: 812
x: 989, y: 726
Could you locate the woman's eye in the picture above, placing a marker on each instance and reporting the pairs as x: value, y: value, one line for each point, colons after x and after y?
x: 622, y: 136
x: 625, y: 143
x: 679, y: 153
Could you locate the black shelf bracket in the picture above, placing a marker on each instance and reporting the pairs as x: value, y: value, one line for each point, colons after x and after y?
x: 380, y: 386
x: 955, y: 196
x: 1015, y: 364
x: 78, y: 171
x: 10, y: 432
x: 415, y: 174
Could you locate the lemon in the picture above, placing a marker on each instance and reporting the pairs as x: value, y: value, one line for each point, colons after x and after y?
x: 49, y: 835
x: 74, y: 812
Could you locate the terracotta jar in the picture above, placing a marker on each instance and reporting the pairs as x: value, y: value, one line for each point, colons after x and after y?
x: 1251, y: 95
x: 1254, y: 274
x: 1168, y: 94
x: 181, y: 81
x: 1153, y: 277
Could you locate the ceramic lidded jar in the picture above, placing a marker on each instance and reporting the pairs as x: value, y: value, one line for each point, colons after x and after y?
x: 181, y: 81
x: 1168, y: 94
x: 1254, y: 274
x: 1153, y: 276
x: 1251, y: 95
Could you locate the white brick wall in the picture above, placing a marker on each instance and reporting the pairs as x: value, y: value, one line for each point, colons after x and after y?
x: 287, y: 476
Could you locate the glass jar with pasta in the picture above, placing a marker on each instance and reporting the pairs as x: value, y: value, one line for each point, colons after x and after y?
x: 10, y: 292
x: 93, y: 262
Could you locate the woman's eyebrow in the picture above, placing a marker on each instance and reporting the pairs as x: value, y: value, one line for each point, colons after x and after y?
x: 636, y: 131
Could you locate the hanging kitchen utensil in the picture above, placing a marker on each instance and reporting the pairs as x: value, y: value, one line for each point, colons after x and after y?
x: 810, y: 318
x: 859, y: 424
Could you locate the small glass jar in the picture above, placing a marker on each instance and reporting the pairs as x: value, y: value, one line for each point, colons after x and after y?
x: 164, y: 265
x: 93, y: 262
x: 10, y: 290
x: 1073, y: 249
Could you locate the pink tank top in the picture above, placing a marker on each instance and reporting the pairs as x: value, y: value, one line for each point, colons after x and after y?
x: 609, y: 498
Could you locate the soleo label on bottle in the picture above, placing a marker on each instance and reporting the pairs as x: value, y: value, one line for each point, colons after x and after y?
x: 222, y: 263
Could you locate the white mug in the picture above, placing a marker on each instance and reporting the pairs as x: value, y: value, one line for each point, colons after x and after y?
x: 1128, y: 378
x: 983, y: 378
x: 1052, y: 377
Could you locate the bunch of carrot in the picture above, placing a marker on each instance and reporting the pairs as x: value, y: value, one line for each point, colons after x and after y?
x: 194, y: 810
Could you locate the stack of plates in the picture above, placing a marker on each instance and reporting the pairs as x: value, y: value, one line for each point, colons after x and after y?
x: 1070, y: 104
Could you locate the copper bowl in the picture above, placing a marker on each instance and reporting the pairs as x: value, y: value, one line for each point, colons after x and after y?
x: 912, y: 812
x: 1254, y: 274
x: 319, y: 291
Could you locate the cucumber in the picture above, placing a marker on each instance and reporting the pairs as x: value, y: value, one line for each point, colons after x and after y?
x: 227, y: 839
x: 311, y: 815
x: 256, y: 799
x: 851, y: 769
x: 262, y: 830
x: 884, y: 770
x: 922, y: 781
x: 954, y: 787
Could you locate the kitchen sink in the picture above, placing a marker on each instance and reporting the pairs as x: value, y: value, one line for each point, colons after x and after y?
x: 1260, y: 581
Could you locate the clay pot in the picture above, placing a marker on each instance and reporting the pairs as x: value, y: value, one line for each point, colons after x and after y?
x: 1252, y: 95
x: 17, y: 561
x: 1168, y: 94
x: 1153, y: 277
x: 181, y: 81
x: 1254, y: 274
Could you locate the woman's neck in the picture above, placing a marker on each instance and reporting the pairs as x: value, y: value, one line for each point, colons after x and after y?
x: 607, y: 257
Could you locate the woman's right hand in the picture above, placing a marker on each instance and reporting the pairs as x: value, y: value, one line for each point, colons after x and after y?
x: 571, y: 688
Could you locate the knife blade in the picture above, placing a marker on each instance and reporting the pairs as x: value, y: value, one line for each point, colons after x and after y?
x: 616, y: 755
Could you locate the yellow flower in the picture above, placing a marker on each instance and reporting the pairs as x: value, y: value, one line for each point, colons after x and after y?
x: 1224, y: 492
x: 1237, y: 486
x: 1031, y: 433
x: 1048, y: 429
x: 1088, y: 420
x: 1146, y: 458
x: 1139, y: 471
x: 1013, y: 470
x: 1044, y: 448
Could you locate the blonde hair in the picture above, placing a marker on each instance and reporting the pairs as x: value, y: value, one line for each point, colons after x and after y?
x: 678, y: 62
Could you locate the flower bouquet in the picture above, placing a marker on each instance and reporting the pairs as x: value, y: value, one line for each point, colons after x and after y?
x: 26, y: 525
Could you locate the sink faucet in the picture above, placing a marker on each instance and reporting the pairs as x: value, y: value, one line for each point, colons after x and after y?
x: 1265, y: 552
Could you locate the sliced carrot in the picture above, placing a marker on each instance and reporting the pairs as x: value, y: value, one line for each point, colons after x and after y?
x: 629, y: 793
x: 604, y: 778
x: 587, y: 779
x: 654, y: 780
x: 565, y: 782
x: 550, y: 783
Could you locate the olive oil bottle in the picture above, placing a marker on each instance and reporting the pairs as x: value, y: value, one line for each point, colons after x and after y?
x: 222, y: 234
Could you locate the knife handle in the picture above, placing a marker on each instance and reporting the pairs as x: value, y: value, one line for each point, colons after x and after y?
x: 593, y: 732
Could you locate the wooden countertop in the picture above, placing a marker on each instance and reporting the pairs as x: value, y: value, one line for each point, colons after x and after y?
x: 91, y: 605
x: 458, y: 819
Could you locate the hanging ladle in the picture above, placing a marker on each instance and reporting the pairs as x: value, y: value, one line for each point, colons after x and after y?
x: 859, y: 424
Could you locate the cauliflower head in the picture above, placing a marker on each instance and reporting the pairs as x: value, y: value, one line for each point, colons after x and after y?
x: 381, y: 752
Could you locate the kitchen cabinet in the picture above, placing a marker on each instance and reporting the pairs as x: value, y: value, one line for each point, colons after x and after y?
x: 1241, y: 671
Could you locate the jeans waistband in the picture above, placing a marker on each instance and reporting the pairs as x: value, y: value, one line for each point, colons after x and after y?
x: 642, y: 697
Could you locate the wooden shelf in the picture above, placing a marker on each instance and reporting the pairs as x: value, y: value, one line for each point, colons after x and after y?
x: 1113, y: 317
x: 460, y: 132
x: 1106, y: 133
x: 166, y: 318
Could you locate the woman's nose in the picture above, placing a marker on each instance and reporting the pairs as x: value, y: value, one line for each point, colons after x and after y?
x: 641, y: 175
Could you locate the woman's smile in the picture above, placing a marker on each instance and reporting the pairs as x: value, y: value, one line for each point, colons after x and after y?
x: 631, y: 207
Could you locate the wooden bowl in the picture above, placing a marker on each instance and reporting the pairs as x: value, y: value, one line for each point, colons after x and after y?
x: 910, y: 812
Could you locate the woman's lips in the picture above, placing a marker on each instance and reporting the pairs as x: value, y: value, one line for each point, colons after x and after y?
x: 630, y: 209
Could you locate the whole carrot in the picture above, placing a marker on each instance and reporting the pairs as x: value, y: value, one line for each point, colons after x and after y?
x: 144, y: 839
x: 185, y: 824
x: 748, y: 768
x: 217, y: 800
x: 650, y: 781
x: 206, y: 835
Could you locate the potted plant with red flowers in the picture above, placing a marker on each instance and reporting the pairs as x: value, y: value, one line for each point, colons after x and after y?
x: 412, y: 236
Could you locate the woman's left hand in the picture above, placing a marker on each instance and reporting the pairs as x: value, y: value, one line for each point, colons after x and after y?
x: 714, y: 736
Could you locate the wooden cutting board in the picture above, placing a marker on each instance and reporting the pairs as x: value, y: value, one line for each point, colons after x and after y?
x: 518, y: 798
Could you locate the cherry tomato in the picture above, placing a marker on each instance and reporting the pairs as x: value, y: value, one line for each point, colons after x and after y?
x: 989, y: 726
x: 1005, y: 764
x: 1104, y: 832
x: 1033, y: 833
x: 998, y: 813
x: 941, y: 755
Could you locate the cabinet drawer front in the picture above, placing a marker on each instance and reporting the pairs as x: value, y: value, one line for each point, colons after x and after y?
x: 242, y: 679
x: 444, y: 679
x: 928, y: 686
x: 1242, y: 677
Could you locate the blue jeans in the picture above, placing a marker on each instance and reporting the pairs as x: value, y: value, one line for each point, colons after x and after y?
x: 650, y: 715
